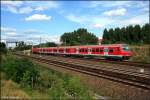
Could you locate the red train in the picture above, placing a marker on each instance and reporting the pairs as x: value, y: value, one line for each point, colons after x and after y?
x: 115, y: 51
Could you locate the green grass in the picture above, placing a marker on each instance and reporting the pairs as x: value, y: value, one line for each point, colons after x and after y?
x: 10, y: 89
x: 49, y: 84
x: 140, y: 53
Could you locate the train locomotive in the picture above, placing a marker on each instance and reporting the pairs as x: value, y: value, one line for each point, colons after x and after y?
x: 111, y: 51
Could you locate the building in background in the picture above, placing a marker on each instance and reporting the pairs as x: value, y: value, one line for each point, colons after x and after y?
x: 100, y: 41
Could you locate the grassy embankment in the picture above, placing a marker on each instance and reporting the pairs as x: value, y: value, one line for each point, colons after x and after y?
x: 140, y: 53
x: 23, y: 79
x: 11, y: 90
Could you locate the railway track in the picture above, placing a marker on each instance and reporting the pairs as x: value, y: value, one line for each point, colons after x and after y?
x: 140, y: 80
x: 130, y: 63
x: 99, y: 64
x: 136, y: 64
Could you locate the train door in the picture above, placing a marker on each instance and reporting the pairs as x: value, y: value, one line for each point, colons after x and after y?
x: 105, y: 51
x: 89, y: 50
x: 65, y: 50
x: 77, y: 50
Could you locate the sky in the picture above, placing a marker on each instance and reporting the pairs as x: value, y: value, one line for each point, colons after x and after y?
x: 31, y: 20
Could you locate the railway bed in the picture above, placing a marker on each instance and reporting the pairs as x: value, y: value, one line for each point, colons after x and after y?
x: 125, y: 62
x: 129, y: 78
x: 98, y: 64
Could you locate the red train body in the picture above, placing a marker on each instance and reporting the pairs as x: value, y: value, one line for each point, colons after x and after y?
x: 117, y: 51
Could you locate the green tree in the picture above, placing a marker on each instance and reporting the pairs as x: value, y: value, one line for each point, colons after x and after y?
x: 111, y: 35
x: 137, y: 34
x: 106, y: 37
x: 117, y: 36
x: 51, y: 44
x: 22, y: 46
x: 3, y: 48
x: 123, y: 34
x: 79, y: 37
x: 130, y: 34
x: 145, y: 33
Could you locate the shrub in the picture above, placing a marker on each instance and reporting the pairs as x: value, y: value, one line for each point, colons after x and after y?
x: 45, y: 80
x: 20, y: 69
x: 57, y: 92
x: 76, y: 90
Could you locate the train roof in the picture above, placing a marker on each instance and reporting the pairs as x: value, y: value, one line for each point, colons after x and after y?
x: 84, y: 46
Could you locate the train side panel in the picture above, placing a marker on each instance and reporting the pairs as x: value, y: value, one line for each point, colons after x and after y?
x: 107, y: 51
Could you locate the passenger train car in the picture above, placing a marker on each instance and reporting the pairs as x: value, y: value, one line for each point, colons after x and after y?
x: 116, y: 51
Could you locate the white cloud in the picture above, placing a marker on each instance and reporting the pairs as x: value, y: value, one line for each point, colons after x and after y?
x: 89, y: 21
x: 12, y: 9
x: 115, y: 12
x: 100, y: 22
x: 25, y: 7
x: 7, y: 30
x: 44, y: 38
x: 32, y: 31
x: 12, y: 3
x: 134, y: 21
x: 46, y: 6
x: 41, y: 8
x: 93, y: 4
x: 97, y: 25
x: 145, y: 9
x: 49, y: 38
x: 11, y: 33
x: 77, y: 19
x: 140, y: 19
x: 28, y: 35
x: 38, y: 17
x: 25, y: 10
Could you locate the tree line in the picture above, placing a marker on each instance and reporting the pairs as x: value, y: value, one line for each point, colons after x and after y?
x: 131, y: 35
x: 78, y: 37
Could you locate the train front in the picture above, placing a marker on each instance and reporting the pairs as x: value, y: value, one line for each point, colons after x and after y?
x: 125, y: 52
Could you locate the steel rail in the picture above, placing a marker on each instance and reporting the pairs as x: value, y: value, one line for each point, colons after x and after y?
x: 93, y: 64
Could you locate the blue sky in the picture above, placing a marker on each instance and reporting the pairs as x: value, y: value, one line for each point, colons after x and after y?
x: 30, y: 20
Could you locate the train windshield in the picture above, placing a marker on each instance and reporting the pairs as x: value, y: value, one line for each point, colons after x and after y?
x: 125, y: 48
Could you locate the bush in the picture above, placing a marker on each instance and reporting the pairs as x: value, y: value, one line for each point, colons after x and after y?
x: 59, y: 86
x: 76, y: 90
x: 57, y: 92
x: 3, y: 48
x: 20, y: 70
x: 45, y: 80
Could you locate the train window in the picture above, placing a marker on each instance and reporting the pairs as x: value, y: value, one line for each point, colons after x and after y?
x: 79, y: 50
x: 125, y: 48
x: 60, y: 50
x: 82, y: 50
x: 111, y: 50
x: 93, y: 50
x: 97, y: 49
x: 118, y: 49
x: 67, y: 50
x: 101, y: 50
x: 86, y: 50
x: 89, y: 49
x: 55, y: 50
